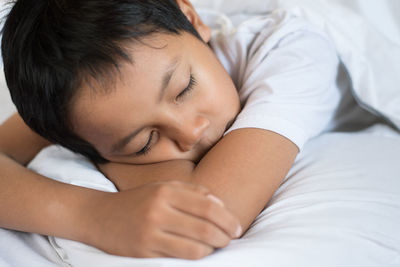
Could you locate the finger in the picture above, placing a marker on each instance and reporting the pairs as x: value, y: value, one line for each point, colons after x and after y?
x: 196, y: 228
x: 157, y: 254
x: 176, y: 246
x: 152, y: 254
x: 208, y: 209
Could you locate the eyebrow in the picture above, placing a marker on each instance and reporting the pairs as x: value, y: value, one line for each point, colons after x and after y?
x: 120, y: 144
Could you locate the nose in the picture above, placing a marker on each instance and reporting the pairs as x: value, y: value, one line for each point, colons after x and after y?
x: 190, y: 132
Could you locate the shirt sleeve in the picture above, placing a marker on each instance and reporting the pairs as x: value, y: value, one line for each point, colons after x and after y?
x: 289, y: 87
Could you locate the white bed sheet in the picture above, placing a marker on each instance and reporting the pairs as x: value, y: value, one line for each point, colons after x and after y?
x: 324, y: 215
x: 339, y: 206
x: 384, y: 15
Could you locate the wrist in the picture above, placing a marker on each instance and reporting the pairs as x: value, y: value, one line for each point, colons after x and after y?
x: 82, y: 213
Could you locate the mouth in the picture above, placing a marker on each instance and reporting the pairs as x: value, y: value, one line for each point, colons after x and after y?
x: 210, y: 144
x: 229, y: 124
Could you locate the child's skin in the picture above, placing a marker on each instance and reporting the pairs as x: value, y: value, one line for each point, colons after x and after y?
x: 173, y: 219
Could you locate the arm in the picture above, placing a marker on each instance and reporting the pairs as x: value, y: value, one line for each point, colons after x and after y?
x: 109, y: 221
x: 243, y: 169
x: 247, y: 165
x: 27, y: 200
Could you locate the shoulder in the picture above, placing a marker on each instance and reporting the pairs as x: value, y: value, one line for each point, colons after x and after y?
x: 256, y: 40
x: 285, y: 71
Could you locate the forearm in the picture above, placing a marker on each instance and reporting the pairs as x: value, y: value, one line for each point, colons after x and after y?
x: 243, y: 169
x: 128, y: 176
x: 246, y: 173
x: 32, y: 203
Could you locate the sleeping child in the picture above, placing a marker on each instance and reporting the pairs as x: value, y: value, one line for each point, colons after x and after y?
x: 196, y: 130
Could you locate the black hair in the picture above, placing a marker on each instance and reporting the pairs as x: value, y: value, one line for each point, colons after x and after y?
x: 50, y: 47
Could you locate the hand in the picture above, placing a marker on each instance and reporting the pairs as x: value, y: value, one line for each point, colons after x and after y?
x: 168, y: 219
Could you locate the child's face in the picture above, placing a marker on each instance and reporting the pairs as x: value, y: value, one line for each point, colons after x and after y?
x: 148, y: 108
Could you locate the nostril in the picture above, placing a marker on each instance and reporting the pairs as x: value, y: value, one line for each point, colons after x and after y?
x: 184, y: 147
x: 190, y: 133
x: 189, y: 140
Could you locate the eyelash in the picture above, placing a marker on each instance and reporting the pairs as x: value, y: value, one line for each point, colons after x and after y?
x: 147, y: 147
x: 192, y: 83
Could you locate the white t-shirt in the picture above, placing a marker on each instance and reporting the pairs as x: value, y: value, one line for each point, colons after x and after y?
x: 285, y: 71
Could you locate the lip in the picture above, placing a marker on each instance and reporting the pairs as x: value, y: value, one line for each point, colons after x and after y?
x: 207, y: 144
x: 229, y: 124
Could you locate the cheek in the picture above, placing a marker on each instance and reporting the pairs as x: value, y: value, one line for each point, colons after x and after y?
x: 222, y: 96
x: 164, y: 150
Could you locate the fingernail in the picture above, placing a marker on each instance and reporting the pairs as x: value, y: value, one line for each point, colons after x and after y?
x: 216, y: 200
x: 238, y: 232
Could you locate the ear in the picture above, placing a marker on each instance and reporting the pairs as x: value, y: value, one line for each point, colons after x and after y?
x: 191, y: 14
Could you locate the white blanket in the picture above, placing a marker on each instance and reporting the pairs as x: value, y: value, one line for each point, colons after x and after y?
x: 340, y: 205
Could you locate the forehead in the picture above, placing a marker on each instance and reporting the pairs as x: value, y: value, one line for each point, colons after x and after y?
x: 146, y: 56
x: 151, y: 58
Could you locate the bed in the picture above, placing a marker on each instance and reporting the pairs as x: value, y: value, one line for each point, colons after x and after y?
x: 340, y: 203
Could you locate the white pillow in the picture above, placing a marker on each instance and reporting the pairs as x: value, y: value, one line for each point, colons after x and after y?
x: 339, y: 206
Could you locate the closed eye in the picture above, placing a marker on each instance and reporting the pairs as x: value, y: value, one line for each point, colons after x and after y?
x: 180, y: 96
x: 147, y: 147
x: 188, y: 89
